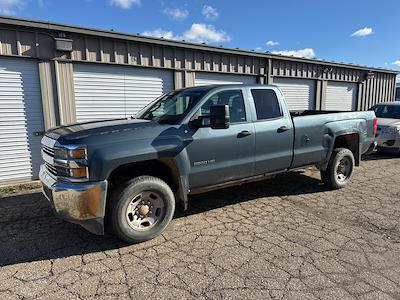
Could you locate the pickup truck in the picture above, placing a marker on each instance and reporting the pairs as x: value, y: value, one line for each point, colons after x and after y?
x: 127, y: 175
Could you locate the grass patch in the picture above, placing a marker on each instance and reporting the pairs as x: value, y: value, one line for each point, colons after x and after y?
x: 19, y: 188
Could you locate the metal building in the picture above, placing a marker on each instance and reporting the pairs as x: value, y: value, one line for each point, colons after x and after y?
x: 52, y: 74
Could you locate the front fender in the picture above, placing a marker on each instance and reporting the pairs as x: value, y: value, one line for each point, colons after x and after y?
x: 169, y: 150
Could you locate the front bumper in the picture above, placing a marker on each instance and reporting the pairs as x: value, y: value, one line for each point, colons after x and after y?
x: 82, y: 203
x: 388, y: 142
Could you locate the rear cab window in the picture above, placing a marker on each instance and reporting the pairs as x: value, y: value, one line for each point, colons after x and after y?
x: 266, y: 104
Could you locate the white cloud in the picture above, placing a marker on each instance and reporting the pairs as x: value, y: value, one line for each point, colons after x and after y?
x: 8, y: 7
x: 204, y: 33
x: 363, y: 32
x: 306, y: 52
x: 272, y: 43
x: 124, y: 4
x: 176, y: 13
x: 396, y: 63
x: 198, y: 33
x: 209, y: 12
x: 159, y: 33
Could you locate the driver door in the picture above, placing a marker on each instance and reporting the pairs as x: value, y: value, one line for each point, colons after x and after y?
x: 221, y: 155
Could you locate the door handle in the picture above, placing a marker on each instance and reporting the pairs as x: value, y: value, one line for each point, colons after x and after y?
x: 245, y: 133
x: 282, y: 129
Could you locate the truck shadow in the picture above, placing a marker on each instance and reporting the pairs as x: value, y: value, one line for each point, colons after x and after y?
x: 289, y: 184
x: 30, y: 232
x: 380, y: 156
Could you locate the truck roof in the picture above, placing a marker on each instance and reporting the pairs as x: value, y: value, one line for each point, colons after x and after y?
x: 231, y: 85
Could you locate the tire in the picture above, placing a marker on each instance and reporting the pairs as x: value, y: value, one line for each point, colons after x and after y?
x: 145, y: 198
x: 340, y: 169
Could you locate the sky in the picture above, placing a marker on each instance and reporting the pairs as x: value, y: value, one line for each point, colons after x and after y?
x: 364, y: 32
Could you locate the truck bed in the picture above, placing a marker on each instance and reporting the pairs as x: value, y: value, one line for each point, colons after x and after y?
x: 314, y: 131
x: 300, y: 113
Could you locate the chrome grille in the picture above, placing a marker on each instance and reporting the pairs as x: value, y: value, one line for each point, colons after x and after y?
x: 48, y: 150
x: 51, y: 169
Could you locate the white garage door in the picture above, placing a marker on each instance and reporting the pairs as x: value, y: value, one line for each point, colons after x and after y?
x: 106, y: 92
x: 341, y: 96
x: 299, y: 93
x: 204, y: 78
x: 20, y: 117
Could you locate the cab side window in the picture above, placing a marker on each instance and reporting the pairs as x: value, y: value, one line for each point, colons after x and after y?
x: 267, y: 105
x: 232, y: 98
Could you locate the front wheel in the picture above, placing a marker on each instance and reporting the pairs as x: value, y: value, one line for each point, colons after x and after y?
x: 143, y: 209
x: 340, y: 168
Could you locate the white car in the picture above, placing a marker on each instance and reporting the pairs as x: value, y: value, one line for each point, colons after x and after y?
x: 388, y: 131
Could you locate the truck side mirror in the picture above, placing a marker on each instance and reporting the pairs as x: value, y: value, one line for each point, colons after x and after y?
x: 219, y: 117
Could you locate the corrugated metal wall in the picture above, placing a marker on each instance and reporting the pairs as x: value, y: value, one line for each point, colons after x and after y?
x: 380, y: 88
x: 65, y: 92
x: 285, y: 68
x: 92, y: 46
x: 122, y: 52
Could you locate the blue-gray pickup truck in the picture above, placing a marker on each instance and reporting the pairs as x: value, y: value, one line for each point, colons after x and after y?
x: 127, y: 175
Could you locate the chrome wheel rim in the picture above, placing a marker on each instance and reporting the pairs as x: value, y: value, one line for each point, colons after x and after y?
x: 343, y: 169
x: 145, y: 210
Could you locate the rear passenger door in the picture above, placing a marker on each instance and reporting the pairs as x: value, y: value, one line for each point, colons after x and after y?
x: 274, y: 132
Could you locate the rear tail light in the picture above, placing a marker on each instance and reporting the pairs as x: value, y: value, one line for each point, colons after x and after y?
x: 375, y: 125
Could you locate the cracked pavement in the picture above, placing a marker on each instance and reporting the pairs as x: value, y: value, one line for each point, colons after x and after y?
x: 286, y: 238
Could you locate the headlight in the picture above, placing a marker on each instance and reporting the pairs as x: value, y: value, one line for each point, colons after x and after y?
x: 73, y: 173
x: 79, y: 172
x: 63, y: 153
x: 71, y: 163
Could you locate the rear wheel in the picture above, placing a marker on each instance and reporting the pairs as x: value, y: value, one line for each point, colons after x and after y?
x: 143, y: 209
x: 340, y: 168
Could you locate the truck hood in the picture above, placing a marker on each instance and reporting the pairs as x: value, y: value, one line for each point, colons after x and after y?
x: 388, y: 122
x: 79, y: 131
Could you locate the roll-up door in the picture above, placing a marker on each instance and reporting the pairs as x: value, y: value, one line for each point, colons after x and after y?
x: 299, y: 93
x: 204, y: 78
x: 21, y: 116
x: 106, y: 92
x: 341, y: 96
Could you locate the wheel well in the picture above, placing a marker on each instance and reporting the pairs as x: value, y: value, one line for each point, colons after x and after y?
x: 164, y: 169
x: 351, y: 142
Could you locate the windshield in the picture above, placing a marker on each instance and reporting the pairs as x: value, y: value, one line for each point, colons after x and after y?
x: 387, y: 111
x: 172, y: 107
